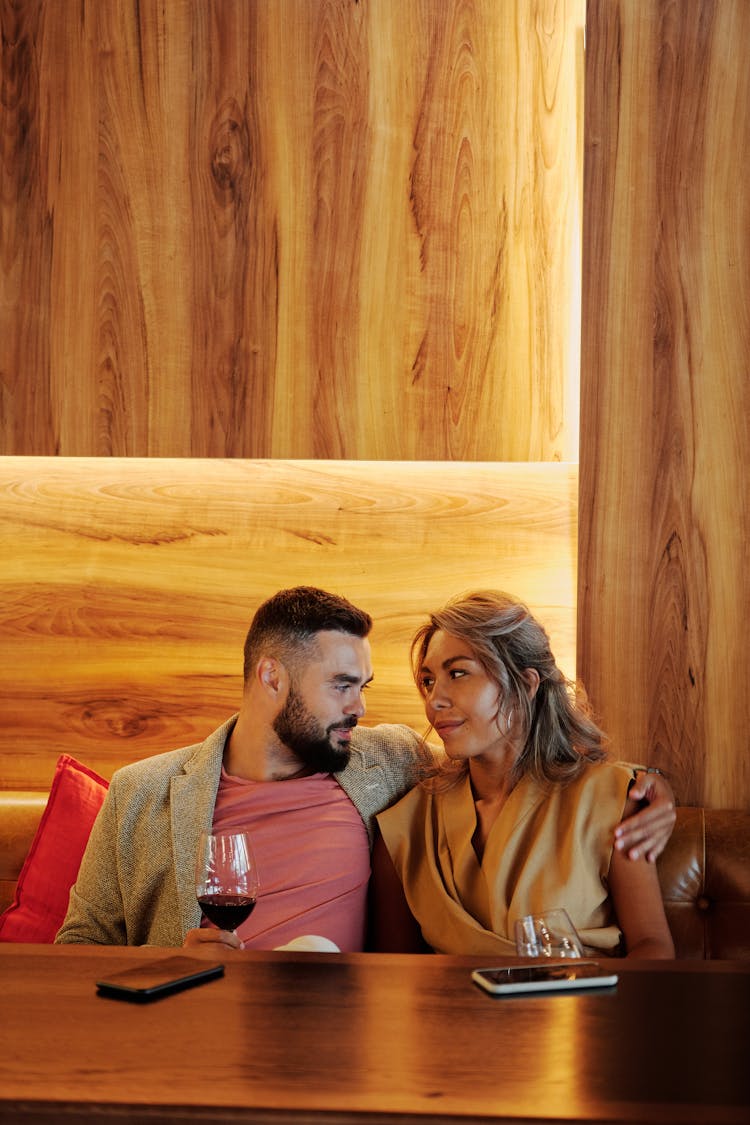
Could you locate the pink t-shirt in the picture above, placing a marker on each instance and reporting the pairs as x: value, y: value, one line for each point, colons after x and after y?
x: 313, y: 858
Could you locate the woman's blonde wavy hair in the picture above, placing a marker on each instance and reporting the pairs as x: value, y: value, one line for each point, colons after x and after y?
x: 560, y: 736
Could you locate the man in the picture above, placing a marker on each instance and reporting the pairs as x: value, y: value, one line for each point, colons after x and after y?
x: 295, y: 769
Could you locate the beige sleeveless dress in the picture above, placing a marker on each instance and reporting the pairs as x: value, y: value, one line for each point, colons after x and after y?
x: 547, y: 848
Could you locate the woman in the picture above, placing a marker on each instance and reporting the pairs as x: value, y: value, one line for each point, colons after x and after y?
x: 520, y: 819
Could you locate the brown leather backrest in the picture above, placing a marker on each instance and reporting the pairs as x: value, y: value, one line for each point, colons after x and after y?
x: 20, y: 813
x: 705, y: 880
x: 704, y: 873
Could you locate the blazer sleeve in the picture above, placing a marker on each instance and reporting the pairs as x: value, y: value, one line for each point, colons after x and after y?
x: 126, y: 890
x: 95, y: 909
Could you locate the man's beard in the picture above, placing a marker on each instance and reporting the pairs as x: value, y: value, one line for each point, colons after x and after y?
x: 301, y: 732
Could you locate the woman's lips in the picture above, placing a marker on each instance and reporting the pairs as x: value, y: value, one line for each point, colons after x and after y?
x: 448, y: 727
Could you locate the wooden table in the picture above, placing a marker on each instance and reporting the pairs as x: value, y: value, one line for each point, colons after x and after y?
x: 318, y: 1038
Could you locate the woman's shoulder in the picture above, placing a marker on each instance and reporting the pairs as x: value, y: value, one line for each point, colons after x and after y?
x: 606, y: 777
x: 411, y: 807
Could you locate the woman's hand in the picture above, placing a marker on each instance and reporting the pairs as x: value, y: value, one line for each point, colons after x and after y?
x: 647, y: 832
x: 206, y: 935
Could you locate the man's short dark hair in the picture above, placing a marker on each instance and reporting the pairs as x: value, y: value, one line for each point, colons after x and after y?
x: 285, y: 624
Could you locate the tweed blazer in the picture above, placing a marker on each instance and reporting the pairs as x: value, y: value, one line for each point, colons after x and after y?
x: 136, y: 883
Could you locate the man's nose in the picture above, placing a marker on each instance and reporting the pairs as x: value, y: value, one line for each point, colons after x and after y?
x: 357, y: 706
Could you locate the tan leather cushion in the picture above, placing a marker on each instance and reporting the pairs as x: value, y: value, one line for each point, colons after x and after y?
x: 705, y: 880
x: 704, y: 873
x: 20, y: 813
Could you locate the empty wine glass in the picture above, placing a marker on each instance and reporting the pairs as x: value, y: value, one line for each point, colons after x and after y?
x: 548, y: 934
x: 226, y: 878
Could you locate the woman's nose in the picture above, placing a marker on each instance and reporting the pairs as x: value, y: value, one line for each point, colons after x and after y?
x: 436, y: 698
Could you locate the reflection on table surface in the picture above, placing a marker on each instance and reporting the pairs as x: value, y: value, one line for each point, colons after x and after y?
x: 334, y: 1037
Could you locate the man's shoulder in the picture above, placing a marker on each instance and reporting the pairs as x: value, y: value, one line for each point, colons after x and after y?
x: 400, y: 755
x: 385, y: 761
x: 390, y: 741
x: 163, y: 766
x: 384, y: 736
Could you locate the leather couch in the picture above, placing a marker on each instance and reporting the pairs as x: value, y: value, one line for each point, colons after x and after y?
x: 705, y: 882
x: 704, y: 873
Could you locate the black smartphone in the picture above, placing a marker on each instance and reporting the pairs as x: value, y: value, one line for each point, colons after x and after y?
x: 544, y: 978
x: 154, y: 979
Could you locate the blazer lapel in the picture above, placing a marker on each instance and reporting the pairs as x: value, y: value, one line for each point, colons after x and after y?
x: 192, y: 800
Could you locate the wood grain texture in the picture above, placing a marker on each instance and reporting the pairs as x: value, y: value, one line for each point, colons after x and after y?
x: 283, y: 229
x: 26, y: 239
x: 127, y: 593
x: 273, y: 1006
x: 664, y: 594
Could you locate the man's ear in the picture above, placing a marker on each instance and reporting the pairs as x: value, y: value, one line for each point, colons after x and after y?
x: 272, y: 677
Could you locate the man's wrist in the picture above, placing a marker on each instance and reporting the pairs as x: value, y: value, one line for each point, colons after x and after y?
x: 661, y: 773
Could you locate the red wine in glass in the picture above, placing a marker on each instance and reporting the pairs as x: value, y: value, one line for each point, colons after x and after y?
x: 226, y: 911
x: 226, y: 878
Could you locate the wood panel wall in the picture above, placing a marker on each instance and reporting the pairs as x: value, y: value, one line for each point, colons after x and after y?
x: 330, y: 229
x: 664, y: 590
x: 276, y: 228
x: 131, y: 582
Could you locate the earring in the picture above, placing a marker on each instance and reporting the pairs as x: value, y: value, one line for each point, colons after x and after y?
x: 509, y: 720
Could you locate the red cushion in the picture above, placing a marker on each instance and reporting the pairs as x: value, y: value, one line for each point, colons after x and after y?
x: 51, y: 867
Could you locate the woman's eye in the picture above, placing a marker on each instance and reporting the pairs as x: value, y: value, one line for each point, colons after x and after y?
x: 456, y: 672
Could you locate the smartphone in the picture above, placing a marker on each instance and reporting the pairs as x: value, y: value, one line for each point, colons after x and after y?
x: 544, y: 978
x: 157, y: 978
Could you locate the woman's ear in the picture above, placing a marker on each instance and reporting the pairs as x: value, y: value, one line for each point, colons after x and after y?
x: 531, y: 679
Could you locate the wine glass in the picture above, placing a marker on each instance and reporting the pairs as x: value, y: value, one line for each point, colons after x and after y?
x: 226, y: 878
x: 548, y: 934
